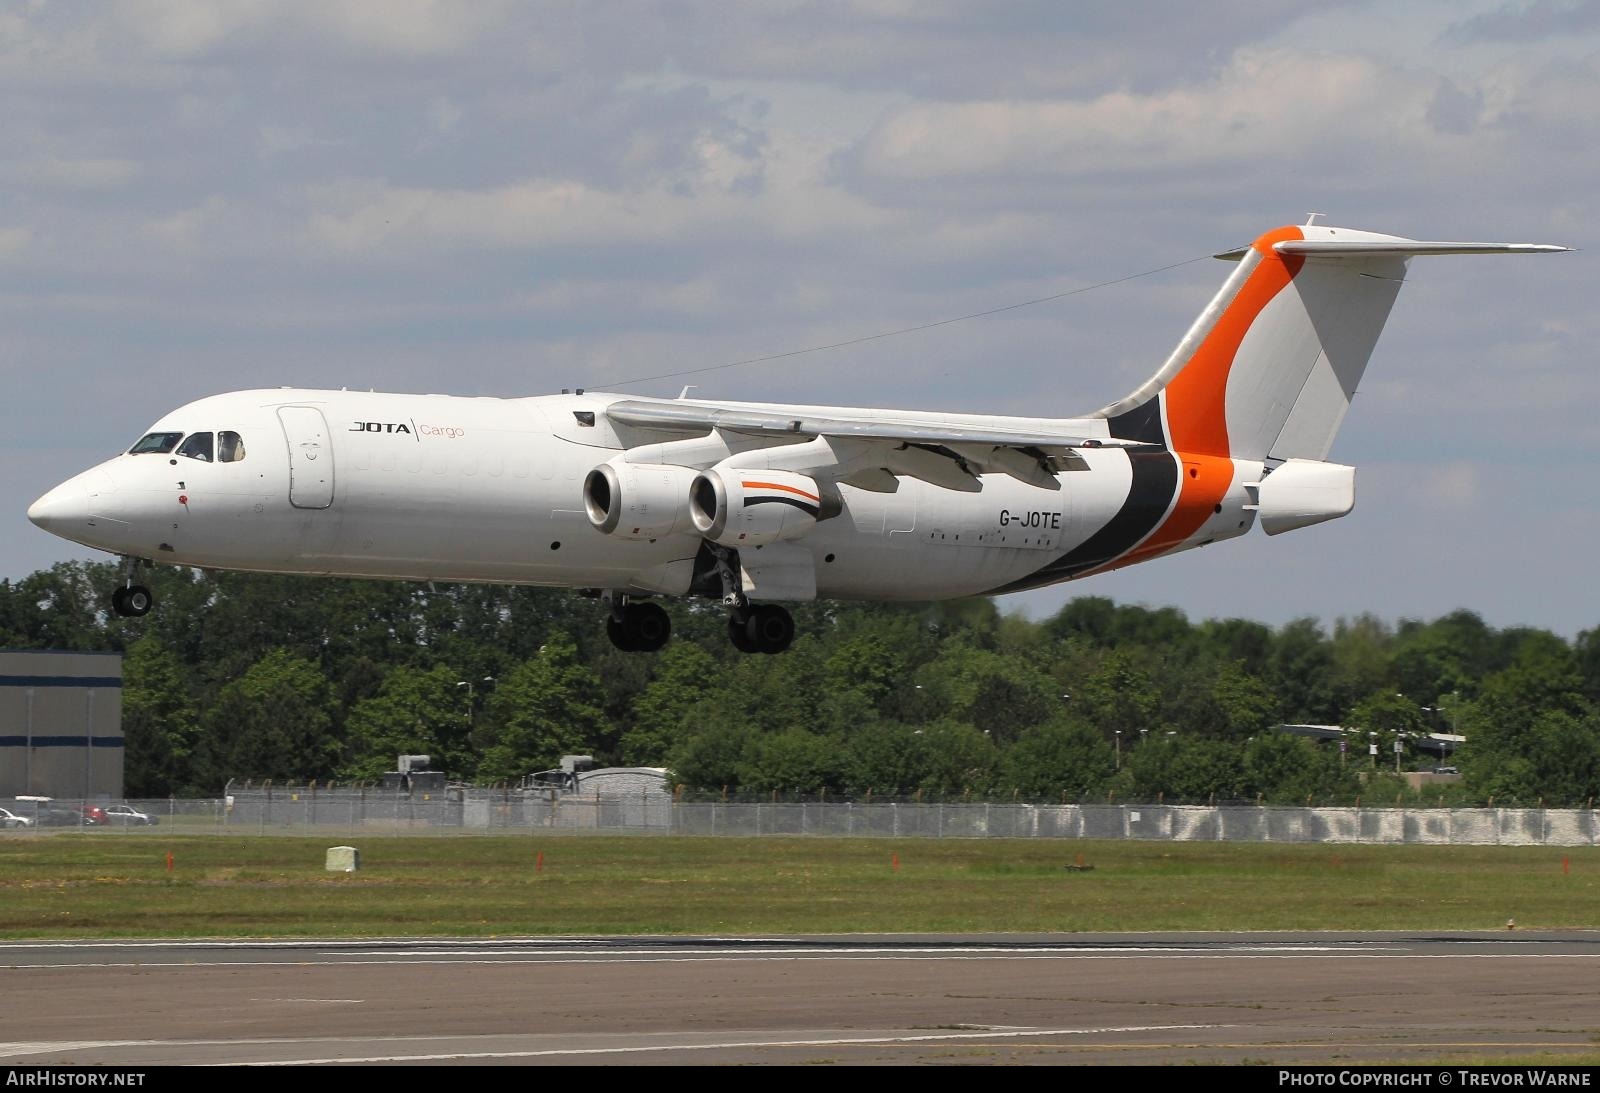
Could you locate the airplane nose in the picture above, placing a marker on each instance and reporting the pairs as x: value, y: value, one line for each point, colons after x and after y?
x: 63, y: 508
x: 70, y: 506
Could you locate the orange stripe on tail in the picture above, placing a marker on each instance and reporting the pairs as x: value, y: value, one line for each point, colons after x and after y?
x: 1196, y: 402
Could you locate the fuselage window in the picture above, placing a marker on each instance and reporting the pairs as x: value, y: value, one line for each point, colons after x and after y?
x: 198, y: 446
x: 230, y: 447
x: 158, y: 443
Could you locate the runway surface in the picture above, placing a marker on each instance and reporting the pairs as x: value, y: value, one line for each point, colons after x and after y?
x: 857, y: 999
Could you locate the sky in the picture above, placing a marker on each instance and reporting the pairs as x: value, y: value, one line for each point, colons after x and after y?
x: 496, y: 198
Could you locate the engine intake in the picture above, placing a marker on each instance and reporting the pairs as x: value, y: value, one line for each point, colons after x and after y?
x: 638, y: 500
x: 736, y: 508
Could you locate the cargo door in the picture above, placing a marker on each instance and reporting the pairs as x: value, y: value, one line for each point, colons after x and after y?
x: 310, y: 456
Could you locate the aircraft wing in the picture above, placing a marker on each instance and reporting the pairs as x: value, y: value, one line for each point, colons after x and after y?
x: 868, y: 448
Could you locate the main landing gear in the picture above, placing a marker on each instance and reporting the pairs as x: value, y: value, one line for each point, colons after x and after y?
x: 637, y: 627
x: 767, y: 628
x: 645, y: 627
x: 131, y: 600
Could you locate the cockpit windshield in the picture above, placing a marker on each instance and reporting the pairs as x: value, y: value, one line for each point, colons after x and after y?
x: 198, y: 446
x: 157, y: 443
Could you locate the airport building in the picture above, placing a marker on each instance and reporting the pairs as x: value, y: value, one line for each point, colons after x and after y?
x: 61, y: 725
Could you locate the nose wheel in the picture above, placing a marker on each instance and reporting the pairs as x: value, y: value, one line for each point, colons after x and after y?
x: 764, y: 629
x: 132, y: 602
x: 639, y: 627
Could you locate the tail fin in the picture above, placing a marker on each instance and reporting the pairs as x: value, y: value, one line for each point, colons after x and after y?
x: 1269, y: 368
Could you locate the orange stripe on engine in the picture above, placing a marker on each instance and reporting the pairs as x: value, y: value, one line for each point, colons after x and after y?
x: 780, y: 486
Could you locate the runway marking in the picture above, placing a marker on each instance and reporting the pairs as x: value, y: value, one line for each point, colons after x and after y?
x: 325, y: 1001
x: 43, y: 1046
x: 723, y: 1045
x: 341, y: 960
x: 623, y: 941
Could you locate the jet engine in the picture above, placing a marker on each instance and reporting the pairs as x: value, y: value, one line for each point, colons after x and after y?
x: 737, y: 508
x: 638, y: 500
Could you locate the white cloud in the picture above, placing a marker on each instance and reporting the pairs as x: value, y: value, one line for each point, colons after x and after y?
x: 1276, y: 104
x: 193, y: 28
x: 188, y: 228
x: 361, y: 216
x: 1449, y: 486
x: 277, y: 140
x: 13, y: 241
x: 77, y: 174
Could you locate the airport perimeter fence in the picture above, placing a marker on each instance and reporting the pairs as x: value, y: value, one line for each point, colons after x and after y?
x: 307, y: 811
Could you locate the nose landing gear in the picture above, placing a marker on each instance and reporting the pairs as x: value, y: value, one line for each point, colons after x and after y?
x: 131, y: 600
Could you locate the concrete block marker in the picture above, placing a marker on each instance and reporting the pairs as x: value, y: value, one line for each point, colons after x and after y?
x: 343, y: 859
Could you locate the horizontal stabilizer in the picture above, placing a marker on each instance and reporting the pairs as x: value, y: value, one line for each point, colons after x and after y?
x: 1335, y: 248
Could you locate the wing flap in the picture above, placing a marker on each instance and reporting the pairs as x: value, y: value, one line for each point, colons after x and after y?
x: 701, y: 417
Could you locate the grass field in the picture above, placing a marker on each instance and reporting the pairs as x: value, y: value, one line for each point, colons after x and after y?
x: 80, y: 885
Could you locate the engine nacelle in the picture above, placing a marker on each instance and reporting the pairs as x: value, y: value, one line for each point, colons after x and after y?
x: 739, y: 508
x: 638, y: 500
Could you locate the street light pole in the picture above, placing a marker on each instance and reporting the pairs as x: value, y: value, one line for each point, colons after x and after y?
x: 470, y: 686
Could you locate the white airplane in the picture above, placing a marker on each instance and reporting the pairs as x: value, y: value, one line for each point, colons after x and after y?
x: 759, y: 504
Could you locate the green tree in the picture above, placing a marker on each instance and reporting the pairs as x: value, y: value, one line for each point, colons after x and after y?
x: 275, y: 721
x: 1118, y: 695
x: 1185, y: 768
x: 544, y: 708
x: 792, y: 761
x: 1237, y: 705
x: 994, y: 694
x: 1289, y: 770
x: 1531, y: 732
x: 712, y: 758
x: 886, y: 759
x: 160, y: 723
x: 961, y: 760
x: 664, y: 713
x: 415, y: 712
x: 1384, y: 717
x: 1300, y: 672
x: 1058, y: 759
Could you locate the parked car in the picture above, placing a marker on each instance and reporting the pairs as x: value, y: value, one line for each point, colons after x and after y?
x: 86, y: 816
x: 11, y: 819
x: 60, y: 817
x: 128, y: 815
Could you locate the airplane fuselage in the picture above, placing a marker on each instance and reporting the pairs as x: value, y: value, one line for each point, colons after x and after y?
x: 443, y: 488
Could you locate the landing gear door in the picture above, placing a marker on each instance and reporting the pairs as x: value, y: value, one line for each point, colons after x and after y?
x: 310, y: 456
